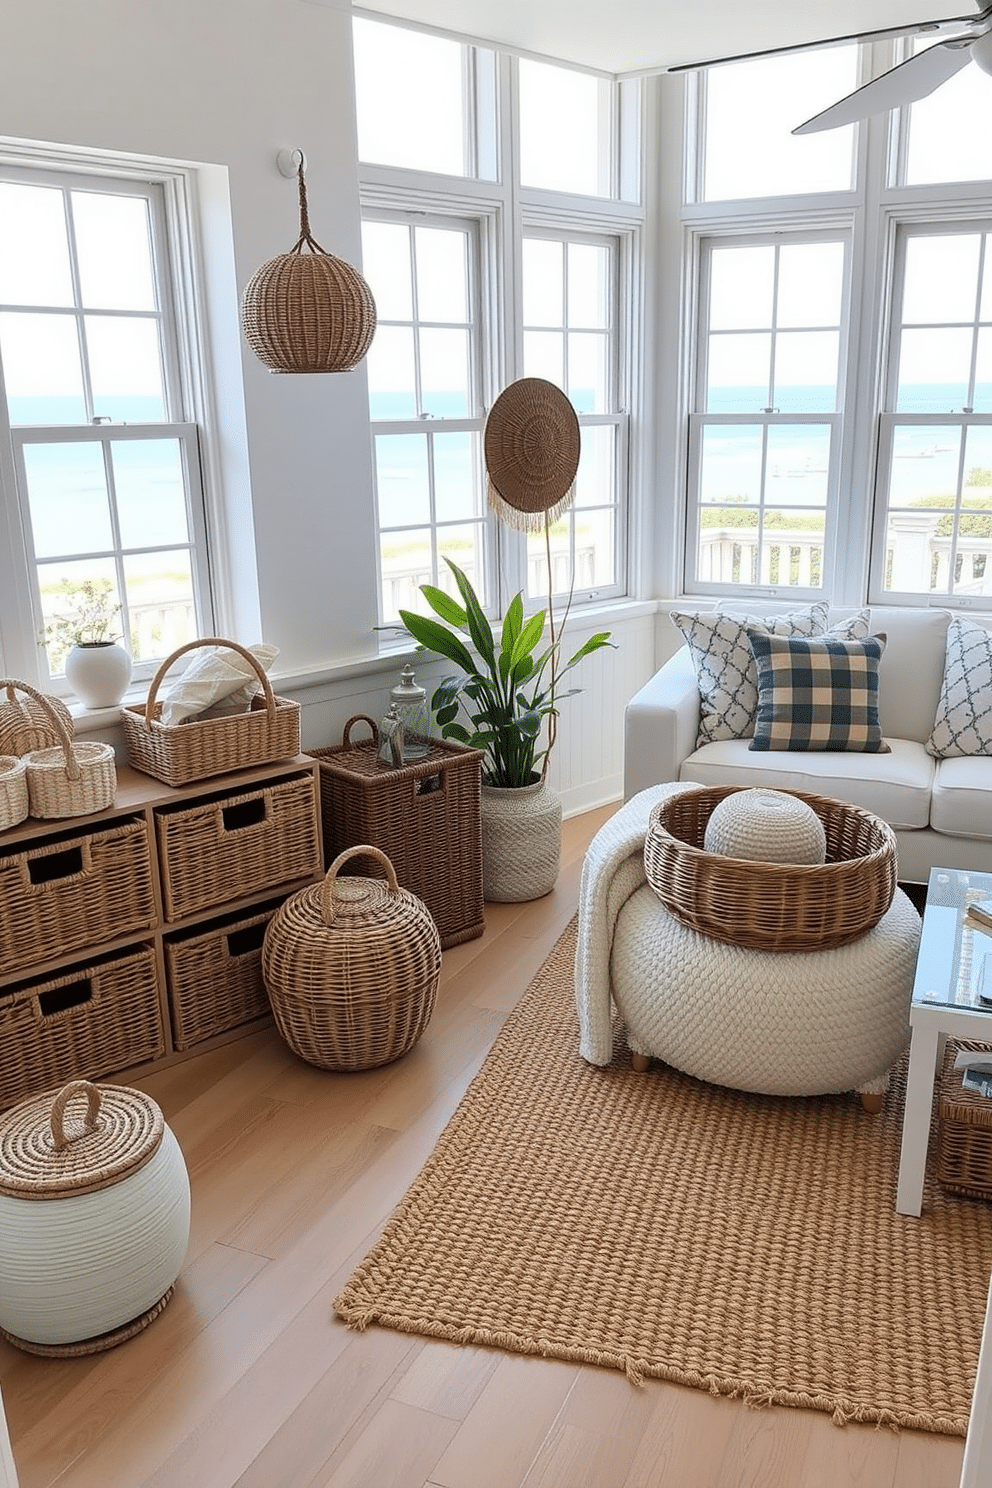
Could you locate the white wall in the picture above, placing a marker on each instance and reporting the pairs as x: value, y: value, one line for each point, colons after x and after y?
x: 226, y: 84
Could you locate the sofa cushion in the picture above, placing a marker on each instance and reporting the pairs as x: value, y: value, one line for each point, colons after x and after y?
x: 896, y: 786
x: 724, y: 663
x: 963, y: 723
x: 817, y: 694
x: 961, y: 801
x: 910, y: 674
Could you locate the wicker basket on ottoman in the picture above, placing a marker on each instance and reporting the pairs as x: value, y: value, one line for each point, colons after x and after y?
x: 351, y: 967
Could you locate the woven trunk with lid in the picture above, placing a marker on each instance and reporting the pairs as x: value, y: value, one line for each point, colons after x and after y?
x: 351, y: 967
x: 94, y: 1218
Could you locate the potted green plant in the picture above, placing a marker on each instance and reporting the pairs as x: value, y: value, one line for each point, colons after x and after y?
x: 82, y: 637
x: 505, y: 692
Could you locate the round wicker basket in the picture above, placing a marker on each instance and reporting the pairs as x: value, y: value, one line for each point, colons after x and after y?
x: 94, y: 1218
x: 13, y: 791
x: 352, y: 966
x: 772, y: 906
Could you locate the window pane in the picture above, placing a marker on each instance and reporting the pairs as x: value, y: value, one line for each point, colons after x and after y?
x: 798, y: 465
x: 40, y: 355
x: 34, y: 252
x: 595, y: 480
x: 934, y: 368
x: 150, y: 491
x: 386, y: 266
x: 464, y: 545
x: 401, y: 479
x: 810, y: 284
x: 588, y: 286
x: 982, y: 401
x: 739, y: 369
x: 751, y: 108
x: 457, y: 492
x: 731, y: 464
x: 62, y: 598
x: 113, y: 249
x: 791, y: 548
x: 925, y: 466
x: 407, y: 562
x: 67, y: 498
x: 941, y: 282
x: 411, y: 101
x: 564, y: 129
x: 595, y: 549
x: 544, y: 280
x: 445, y: 373
x: 560, y: 542
x: 544, y: 356
x: 742, y: 286
x: 978, y: 466
x: 159, y: 588
x: 946, y: 141
x: 806, y: 371
x: 442, y: 274
x: 125, y: 369
x: 391, y: 374
x: 588, y: 372
x: 728, y: 545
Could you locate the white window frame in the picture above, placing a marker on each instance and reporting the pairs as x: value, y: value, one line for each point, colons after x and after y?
x: 170, y: 195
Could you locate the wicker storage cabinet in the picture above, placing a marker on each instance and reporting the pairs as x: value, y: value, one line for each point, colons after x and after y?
x: 74, y: 889
x: 215, y: 976
x: 964, y: 1129
x: 228, y: 845
x: 89, y: 1020
x: 425, y: 816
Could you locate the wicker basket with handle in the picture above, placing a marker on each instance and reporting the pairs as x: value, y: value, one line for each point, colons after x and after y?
x: 13, y: 791
x: 351, y: 967
x: 772, y: 906
x: 26, y: 722
x: 67, y: 779
x: 178, y: 754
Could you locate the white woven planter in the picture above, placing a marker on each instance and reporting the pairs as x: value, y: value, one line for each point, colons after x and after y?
x: 521, y: 842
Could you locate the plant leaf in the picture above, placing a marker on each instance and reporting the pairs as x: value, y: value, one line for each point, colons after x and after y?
x: 444, y: 604
x: 478, y: 626
x: 438, y: 638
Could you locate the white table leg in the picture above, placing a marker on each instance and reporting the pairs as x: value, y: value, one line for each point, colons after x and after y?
x: 916, y: 1120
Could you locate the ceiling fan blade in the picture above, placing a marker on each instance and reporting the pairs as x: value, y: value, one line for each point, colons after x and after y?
x: 953, y: 25
x: 912, y: 79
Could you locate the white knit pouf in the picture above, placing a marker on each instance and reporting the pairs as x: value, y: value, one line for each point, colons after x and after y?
x: 766, y: 826
x: 793, y: 1023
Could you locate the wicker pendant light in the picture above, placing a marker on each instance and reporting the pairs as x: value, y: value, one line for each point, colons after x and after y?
x: 308, y: 311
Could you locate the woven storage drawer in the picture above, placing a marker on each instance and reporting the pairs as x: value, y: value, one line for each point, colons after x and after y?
x: 772, y: 906
x: 179, y: 754
x: 90, y: 1020
x: 964, y: 1129
x: 74, y: 890
x: 214, y: 976
x: 426, y: 817
x: 352, y: 967
x: 229, y: 846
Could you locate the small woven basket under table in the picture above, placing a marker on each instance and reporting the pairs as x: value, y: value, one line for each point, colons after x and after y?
x: 179, y: 754
x: 351, y: 967
x: 964, y: 1128
x: 772, y: 906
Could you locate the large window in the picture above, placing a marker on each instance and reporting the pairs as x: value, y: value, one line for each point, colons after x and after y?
x: 106, y: 468
x: 839, y: 340
x: 484, y: 272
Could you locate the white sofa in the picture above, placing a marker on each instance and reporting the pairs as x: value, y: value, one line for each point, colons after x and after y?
x: 941, y: 809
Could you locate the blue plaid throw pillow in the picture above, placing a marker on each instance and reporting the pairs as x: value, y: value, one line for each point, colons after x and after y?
x: 817, y: 694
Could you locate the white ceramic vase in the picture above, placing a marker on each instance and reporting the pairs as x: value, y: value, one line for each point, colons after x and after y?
x: 98, y: 672
x: 521, y: 842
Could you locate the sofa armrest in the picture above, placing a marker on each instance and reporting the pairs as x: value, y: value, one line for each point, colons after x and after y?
x: 661, y: 723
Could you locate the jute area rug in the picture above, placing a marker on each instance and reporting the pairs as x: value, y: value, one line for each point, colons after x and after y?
x: 744, y: 1245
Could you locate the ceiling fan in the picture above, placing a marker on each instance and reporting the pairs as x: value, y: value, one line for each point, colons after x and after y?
x: 919, y: 75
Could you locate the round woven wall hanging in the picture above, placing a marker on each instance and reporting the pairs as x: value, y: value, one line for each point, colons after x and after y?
x: 308, y: 311
x: 531, y: 444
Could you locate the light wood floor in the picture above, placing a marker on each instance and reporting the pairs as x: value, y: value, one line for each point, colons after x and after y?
x: 248, y: 1378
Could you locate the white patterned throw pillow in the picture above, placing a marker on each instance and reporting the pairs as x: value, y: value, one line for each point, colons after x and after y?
x: 725, y: 670
x: 963, y: 724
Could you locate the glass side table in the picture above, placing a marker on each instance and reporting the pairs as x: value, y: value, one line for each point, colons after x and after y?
x: 953, y: 967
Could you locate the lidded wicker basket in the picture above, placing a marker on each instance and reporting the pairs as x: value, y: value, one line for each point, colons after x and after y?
x: 351, y: 967
x: 772, y: 906
x: 94, y: 1218
x: 66, y: 779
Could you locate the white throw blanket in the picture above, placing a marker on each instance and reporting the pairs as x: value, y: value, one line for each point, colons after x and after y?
x: 613, y: 870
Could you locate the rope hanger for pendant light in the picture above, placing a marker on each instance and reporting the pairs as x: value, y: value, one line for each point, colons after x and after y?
x: 307, y: 311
